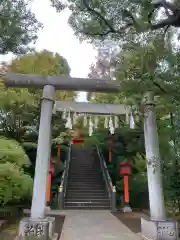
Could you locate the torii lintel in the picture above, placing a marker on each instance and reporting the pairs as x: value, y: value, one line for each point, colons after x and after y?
x: 61, y: 83
x: 91, y: 108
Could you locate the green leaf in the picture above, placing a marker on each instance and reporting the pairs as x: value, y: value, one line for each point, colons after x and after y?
x: 18, y: 26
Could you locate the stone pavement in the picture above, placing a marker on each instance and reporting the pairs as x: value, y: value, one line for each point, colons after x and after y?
x: 94, y: 225
x: 2, y: 223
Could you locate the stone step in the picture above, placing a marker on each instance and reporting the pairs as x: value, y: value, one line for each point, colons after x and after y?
x: 86, y: 191
x: 82, y: 174
x: 98, y: 199
x: 85, y: 170
x: 80, y: 195
x: 89, y: 197
x: 85, y: 175
x: 87, y: 179
x: 87, y: 207
x: 94, y: 192
x: 84, y: 186
x: 87, y: 164
x: 87, y: 204
x: 85, y: 183
x: 90, y: 165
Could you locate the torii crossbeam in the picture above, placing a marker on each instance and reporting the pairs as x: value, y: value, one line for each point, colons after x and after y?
x: 91, y: 108
x: 61, y: 83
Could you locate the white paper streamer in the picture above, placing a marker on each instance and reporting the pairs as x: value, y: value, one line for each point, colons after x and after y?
x: 116, y: 122
x: 85, y: 120
x: 132, y: 123
x: 54, y: 108
x: 69, y: 122
x: 106, y: 122
x: 111, y: 127
x: 90, y: 127
x: 75, y: 118
x: 96, y: 122
x: 64, y: 115
x: 127, y: 116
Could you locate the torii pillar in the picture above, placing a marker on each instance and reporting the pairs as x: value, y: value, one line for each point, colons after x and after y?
x: 157, y: 227
x: 38, y: 225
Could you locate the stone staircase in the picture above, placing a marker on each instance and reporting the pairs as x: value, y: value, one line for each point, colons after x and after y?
x: 85, y: 186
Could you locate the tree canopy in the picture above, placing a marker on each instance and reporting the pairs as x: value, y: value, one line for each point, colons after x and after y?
x: 120, y: 20
x: 44, y: 63
x: 20, y: 108
x: 18, y: 26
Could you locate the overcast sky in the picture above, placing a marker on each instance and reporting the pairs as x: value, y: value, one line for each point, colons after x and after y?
x: 57, y: 36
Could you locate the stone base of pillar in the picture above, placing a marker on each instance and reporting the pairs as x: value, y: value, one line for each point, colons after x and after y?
x: 42, y: 229
x: 127, y: 209
x: 48, y: 208
x: 159, y: 230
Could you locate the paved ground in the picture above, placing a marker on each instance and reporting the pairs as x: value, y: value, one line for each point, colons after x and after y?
x: 92, y: 225
x: 2, y: 223
x: 131, y: 220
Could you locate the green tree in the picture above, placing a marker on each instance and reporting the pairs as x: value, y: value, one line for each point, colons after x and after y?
x: 149, y: 66
x: 20, y: 108
x: 144, y: 63
x: 15, y: 184
x: 9, y: 154
x: 97, y: 19
x: 18, y: 26
x: 44, y: 63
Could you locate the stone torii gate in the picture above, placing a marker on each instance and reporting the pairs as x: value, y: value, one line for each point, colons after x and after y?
x: 38, y: 223
x: 157, y: 227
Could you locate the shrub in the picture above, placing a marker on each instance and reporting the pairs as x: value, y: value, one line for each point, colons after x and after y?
x: 15, y: 185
